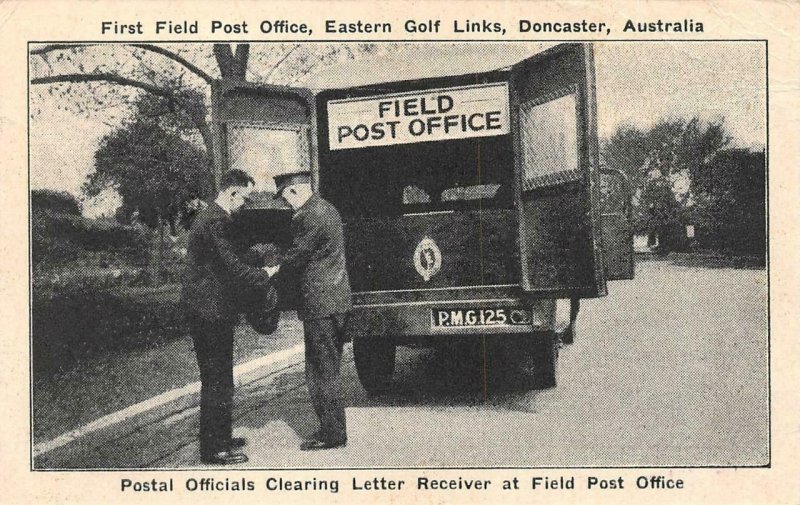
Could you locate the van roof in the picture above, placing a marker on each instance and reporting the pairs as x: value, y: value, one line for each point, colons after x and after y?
x: 423, y: 61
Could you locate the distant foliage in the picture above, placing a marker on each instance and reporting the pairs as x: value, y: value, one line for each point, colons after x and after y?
x: 682, y: 173
x: 660, y: 163
x: 730, y: 194
x: 55, y: 201
x: 61, y: 237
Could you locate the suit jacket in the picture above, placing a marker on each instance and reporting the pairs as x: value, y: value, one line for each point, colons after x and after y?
x: 317, y: 256
x: 214, y: 274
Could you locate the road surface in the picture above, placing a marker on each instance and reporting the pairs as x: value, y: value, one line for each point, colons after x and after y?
x: 671, y: 369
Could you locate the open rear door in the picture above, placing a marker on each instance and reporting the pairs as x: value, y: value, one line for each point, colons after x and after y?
x: 556, y: 160
x: 265, y: 131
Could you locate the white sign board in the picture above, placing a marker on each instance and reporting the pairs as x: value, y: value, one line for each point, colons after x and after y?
x: 419, y: 116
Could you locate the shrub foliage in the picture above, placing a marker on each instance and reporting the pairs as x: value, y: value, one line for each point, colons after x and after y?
x: 77, y: 320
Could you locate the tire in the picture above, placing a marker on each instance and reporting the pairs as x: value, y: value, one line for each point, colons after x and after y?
x: 544, y: 354
x: 374, y: 359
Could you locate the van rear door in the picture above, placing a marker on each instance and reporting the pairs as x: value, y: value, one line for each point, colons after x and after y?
x: 265, y: 130
x: 554, y: 129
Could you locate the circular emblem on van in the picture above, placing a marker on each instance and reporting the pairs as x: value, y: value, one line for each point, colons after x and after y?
x: 427, y: 258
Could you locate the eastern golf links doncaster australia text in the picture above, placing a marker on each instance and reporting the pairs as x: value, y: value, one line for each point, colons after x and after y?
x: 426, y: 483
x: 411, y: 26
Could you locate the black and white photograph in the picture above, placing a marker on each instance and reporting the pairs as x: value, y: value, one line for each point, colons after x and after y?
x: 398, y: 255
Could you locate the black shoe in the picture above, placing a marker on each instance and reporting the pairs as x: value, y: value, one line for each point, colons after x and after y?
x: 319, y: 445
x: 225, y: 458
x: 238, y: 442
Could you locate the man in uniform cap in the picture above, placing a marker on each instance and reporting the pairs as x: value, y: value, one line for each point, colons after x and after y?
x: 317, y: 256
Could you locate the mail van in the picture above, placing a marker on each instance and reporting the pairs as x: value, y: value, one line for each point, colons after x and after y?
x: 469, y: 185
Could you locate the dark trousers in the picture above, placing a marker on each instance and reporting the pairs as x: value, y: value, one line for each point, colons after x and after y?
x: 324, y: 339
x: 213, y: 344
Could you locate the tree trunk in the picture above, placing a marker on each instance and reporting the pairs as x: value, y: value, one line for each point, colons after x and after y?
x: 232, y: 67
x: 160, y: 272
x: 152, y: 257
x: 214, y: 165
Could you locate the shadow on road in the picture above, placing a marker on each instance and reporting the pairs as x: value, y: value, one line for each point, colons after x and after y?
x: 466, y: 373
x: 709, y: 261
x: 455, y: 376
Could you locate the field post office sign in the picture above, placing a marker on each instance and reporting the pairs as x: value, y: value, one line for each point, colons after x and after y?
x: 419, y: 116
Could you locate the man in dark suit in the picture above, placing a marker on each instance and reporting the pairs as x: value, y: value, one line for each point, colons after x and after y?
x: 317, y: 256
x: 214, y: 274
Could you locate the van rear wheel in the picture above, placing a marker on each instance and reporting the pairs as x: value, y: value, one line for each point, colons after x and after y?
x: 374, y: 359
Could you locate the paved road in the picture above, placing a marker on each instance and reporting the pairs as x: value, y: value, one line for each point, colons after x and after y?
x: 669, y: 369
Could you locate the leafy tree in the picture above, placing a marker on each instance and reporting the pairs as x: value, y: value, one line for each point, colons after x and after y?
x: 155, y: 170
x: 660, y: 163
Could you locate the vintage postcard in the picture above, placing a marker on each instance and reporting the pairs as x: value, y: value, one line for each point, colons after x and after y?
x: 415, y: 252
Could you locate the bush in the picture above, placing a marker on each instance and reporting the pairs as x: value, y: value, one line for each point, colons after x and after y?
x: 55, y: 201
x: 730, y: 210
x: 74, y: 321
x: 60, y: 237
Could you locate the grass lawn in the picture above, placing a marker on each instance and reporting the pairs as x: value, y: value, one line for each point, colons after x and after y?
x: 113, y: 381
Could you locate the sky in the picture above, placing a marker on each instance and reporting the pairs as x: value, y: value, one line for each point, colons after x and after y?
x: 637, y: 84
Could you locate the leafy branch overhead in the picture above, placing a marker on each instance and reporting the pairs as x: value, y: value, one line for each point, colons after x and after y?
x: 175, y: 79
x: 105, y: 80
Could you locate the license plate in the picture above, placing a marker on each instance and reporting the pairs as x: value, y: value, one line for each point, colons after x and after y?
x: 497, y: 316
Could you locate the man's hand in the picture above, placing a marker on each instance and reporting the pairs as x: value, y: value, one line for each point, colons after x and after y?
x: 271, y: 270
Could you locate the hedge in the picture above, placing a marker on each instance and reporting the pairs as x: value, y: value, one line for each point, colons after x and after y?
x: 56, y: 201
x: 79, y: 320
